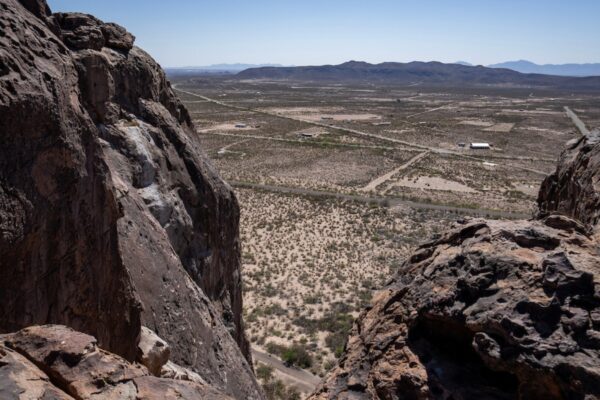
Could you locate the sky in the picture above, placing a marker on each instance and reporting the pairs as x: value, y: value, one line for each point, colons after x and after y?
x: 310, y: 32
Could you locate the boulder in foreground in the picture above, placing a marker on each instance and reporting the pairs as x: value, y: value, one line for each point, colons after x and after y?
x: 56, y: 362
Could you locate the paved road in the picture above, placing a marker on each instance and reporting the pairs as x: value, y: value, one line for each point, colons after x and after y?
x: 383, y: 201
x: 303, y: 380
x: 578, y: 122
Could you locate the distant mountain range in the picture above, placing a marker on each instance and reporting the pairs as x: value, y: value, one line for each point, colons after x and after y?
x: 215, y: 69
x: 423, y: 73
x: 527, y: 67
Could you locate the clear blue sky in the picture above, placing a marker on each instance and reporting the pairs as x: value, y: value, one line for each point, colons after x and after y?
x: 309, y: 32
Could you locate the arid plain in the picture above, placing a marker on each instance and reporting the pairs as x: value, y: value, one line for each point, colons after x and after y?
x: 337, y: 183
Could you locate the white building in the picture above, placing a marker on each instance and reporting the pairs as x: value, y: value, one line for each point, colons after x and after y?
x: 480, y: 146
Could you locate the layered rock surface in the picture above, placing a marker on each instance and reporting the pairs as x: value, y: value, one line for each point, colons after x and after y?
x: 55, y: 362
x: 490, y: 309
x: 111, y: 217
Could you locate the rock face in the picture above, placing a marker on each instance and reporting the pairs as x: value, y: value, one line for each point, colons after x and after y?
x: 574, y: 188
x: 55, y: 362
x: 111, y: 217
x: 491, y: 309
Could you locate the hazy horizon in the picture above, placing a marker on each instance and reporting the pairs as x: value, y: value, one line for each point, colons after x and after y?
x: 193, y: 33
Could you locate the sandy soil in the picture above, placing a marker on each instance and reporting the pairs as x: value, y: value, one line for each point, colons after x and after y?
x: 544, y: 130
x: 504, y: 127
x: 434, y: 183
x: 302, y: 110
x: 229, y: 126
x: 301, y: 257
x: 476, y: 122
x: 528, y: 189
x: 312, y: 132
x: 341, y: 117
x: 375, y: 99
x: 385, y: 177
x: 532, y: 112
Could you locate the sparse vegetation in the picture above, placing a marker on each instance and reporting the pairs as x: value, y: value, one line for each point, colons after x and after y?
x: 274, y: 388
x: 306, y: 255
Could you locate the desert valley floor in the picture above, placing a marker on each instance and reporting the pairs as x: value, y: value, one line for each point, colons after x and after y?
x: 336, y: 184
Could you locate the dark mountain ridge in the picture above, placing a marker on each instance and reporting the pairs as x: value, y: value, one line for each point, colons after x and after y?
x: 422, y: 73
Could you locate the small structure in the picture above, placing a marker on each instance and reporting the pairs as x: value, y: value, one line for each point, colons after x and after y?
x: 240, y: 125
x: 480, y: 146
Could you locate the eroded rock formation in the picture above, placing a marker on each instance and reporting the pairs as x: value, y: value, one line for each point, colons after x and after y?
x: 574, y: 189
x: 490, y: 309
x: 55, y: 362
x: 111, y: 218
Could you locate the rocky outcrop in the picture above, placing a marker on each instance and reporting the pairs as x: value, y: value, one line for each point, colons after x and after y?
x: 111, y: 218
x: 490, y: 309
x: 55, y: 362
x: 574, y: 188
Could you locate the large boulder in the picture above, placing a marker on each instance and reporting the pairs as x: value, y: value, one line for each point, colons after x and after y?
x: 111, y: 217
x: 490, y: 309
x: 56, y: 362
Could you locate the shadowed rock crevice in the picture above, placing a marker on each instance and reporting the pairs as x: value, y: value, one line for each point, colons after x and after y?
x: 454, y: 369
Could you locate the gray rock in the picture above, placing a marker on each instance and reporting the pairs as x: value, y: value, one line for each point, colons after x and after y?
x: 153, y: 352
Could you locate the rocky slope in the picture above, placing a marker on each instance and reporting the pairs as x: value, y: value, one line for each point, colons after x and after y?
x: 491, y: 309
x: 110, y: 216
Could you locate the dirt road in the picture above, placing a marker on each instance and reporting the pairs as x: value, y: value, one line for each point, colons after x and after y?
x: 303, y: 380
x: 384, y: 178
x: 383, y: 201
x: 578, y: 122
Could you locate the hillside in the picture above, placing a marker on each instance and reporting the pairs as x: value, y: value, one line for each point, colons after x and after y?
x: 422, y: 73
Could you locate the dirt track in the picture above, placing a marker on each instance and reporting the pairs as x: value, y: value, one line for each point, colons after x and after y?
x: 578, y: 122
x: 383, y: 201
x: 383, y: 178
x: 303, y: 380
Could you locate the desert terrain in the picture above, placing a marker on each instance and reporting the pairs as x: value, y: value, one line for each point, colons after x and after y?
x: 337, y: 183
